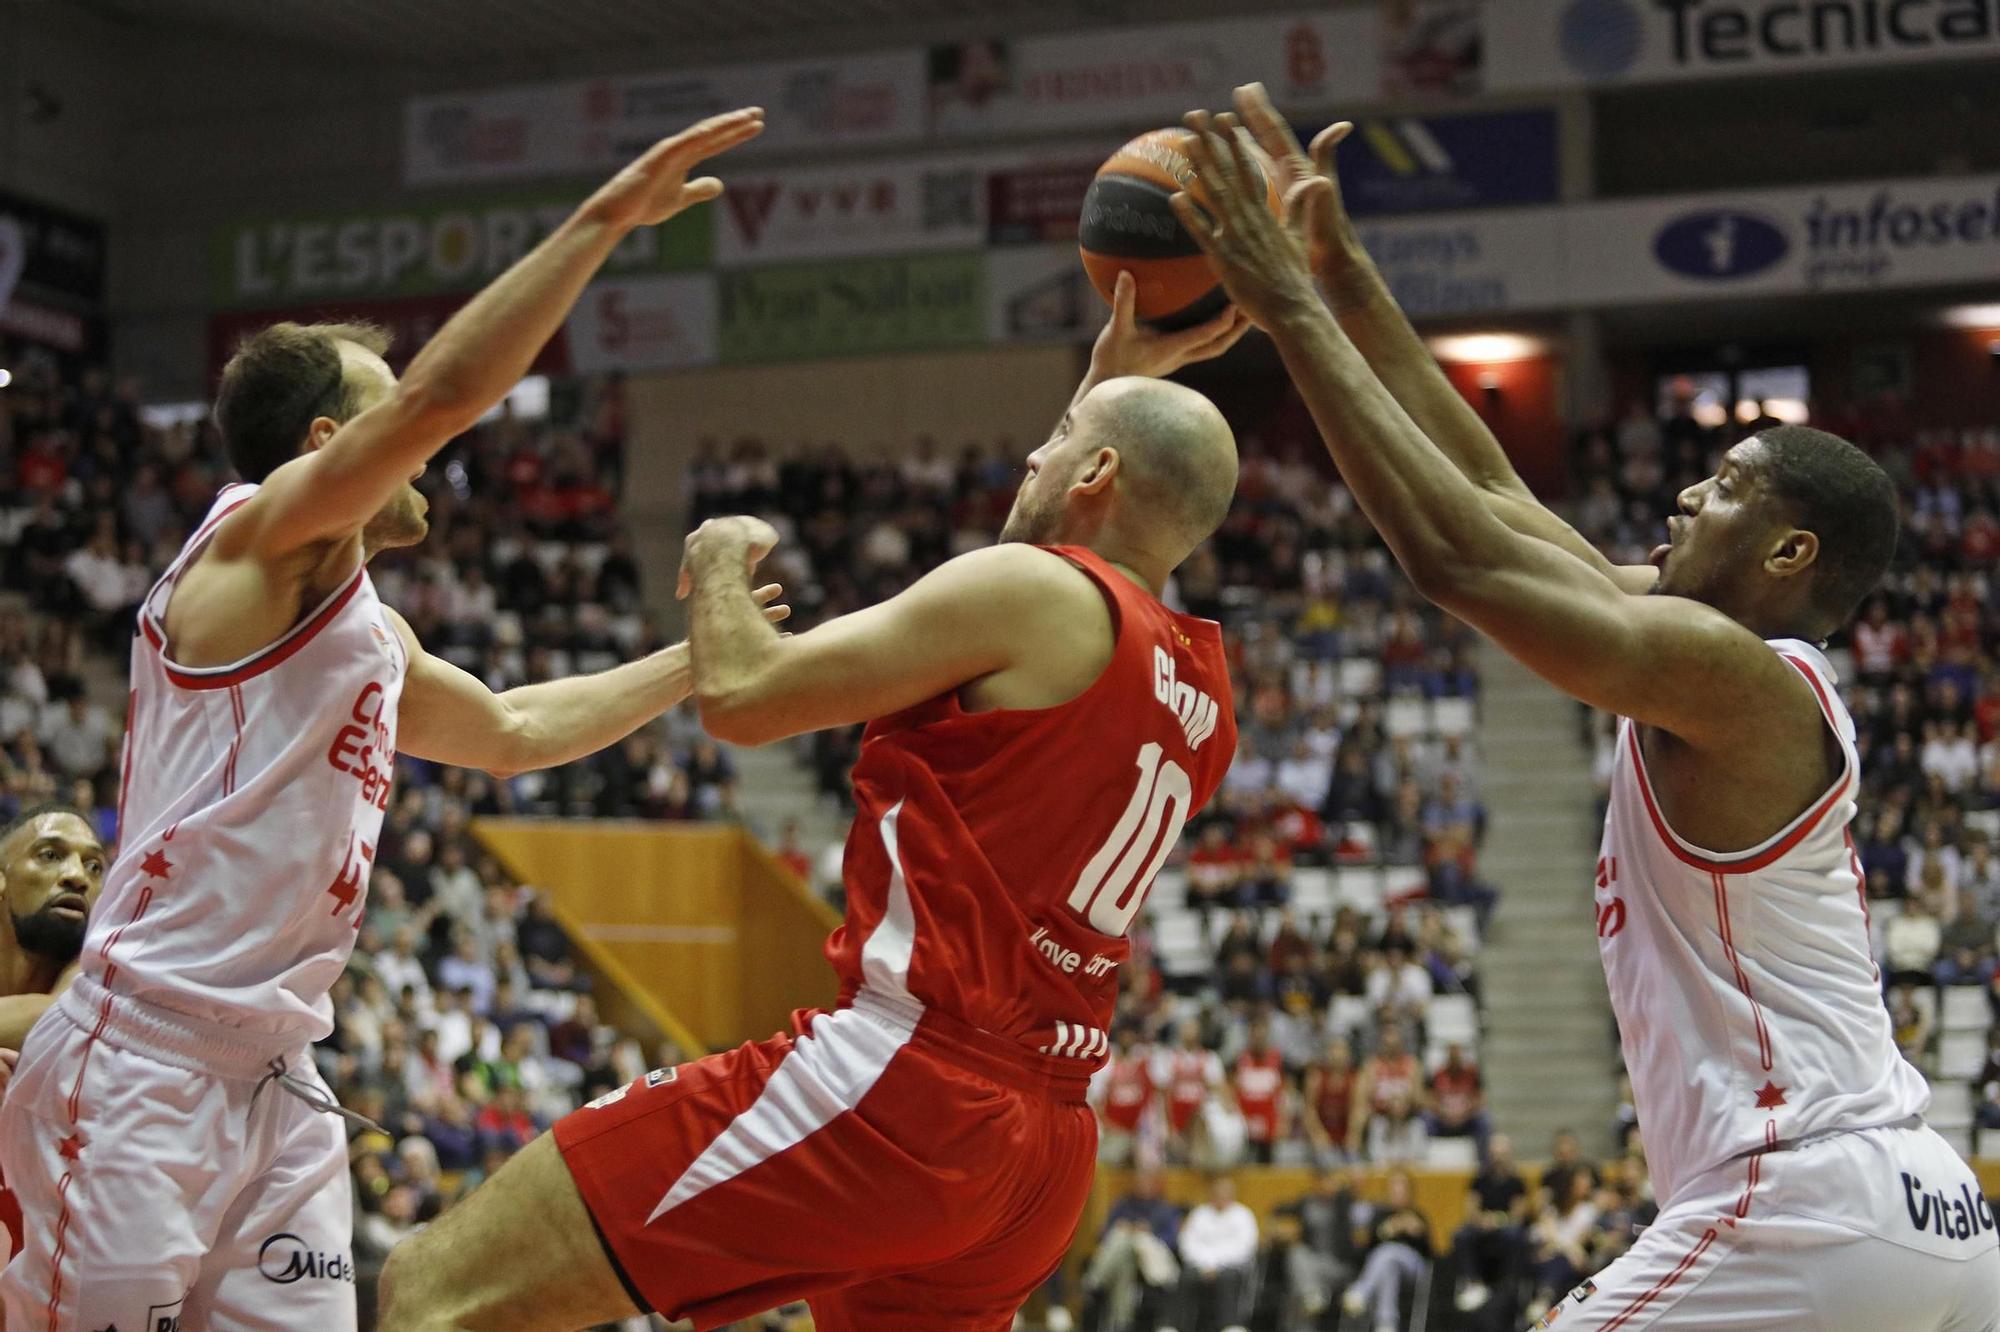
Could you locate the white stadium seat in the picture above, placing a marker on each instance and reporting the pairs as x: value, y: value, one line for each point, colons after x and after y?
x: 1452, y: 1017
x: 1452, y: 716
x: 1405, y: 716
x: 1961, y: 1054
x: 1312, y: 891
x: 1359, y: 887
x: 1452, y: 1154
x: 1965, y: 1009
x: 1360, y: 675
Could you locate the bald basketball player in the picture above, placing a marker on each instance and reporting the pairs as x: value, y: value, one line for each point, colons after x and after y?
x: 51, y: 868
x: 1040, y: 728
x: 1799, y: 1185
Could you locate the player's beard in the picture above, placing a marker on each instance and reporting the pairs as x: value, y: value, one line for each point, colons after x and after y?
x: 46, y: 933
x: 1032, y: 521
x: 400, y: 522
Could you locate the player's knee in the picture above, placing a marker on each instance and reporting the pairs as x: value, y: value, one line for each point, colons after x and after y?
x: 410, y: 1299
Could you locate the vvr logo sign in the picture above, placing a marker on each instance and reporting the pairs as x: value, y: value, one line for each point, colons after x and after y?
x: 1717, y: 244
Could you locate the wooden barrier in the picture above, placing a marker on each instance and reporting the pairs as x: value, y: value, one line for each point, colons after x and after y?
x: 699, y: 932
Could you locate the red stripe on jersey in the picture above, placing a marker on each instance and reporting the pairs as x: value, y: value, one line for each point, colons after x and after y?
x: 1742, y: 981
x: 236, y: 745
x: 270, y: 657
x: 104, y: 953
x: 62, y: 1248
x: 1749, y: 864
x: 1664, y: 1284
x: 125, y: 758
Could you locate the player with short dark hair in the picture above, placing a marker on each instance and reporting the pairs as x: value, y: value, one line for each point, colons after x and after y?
x: 166, y: 1126
x: 51, y: 868
x: 1798, y: 1184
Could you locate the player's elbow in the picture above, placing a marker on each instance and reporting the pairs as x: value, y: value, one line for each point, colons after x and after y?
x: 730, y: 713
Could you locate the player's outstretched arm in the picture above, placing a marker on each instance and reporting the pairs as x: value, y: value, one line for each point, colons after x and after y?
x: 449, y: 715
x: 1663, y: 661
x: 1382, y: 333
x: 1127, y: 347
x: 975, y: 616
x: 478, y: 356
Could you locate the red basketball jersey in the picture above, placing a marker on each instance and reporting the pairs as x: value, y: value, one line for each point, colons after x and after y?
x: 998, y: 857
x: 1130, y: 1090
x: 1260, y: 1080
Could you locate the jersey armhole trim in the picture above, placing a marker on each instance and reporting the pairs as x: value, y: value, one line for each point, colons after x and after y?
x: 223, y: 677
x: 1785, y: 839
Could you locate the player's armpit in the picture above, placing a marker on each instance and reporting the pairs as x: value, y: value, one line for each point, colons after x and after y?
x: 983, y: 613
x: 1663, y: 661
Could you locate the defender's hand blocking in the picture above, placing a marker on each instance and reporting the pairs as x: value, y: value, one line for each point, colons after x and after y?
x: 1333, y: 246
x: 656, y: 186
x: 1128, y: 347
x: 1262, y: 262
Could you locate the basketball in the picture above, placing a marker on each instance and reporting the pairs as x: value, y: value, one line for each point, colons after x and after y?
x: 1127, y: 223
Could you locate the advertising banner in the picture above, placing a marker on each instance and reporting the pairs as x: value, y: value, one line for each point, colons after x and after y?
x: 1039, y: 293
x: 1142, y: 77
x: 597, y: 125
x: 1860, y: 237
x: 1472, y: 263
x: 1421, y: 164
x: 51, y: 274
x: 643, y: 323
x: 851, y: 307
x: 423, y: 250
x: 1534, y: 44
x: 893, y: 206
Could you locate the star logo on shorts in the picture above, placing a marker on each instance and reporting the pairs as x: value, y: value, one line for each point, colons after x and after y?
x: 156, y: 864
x: 71, y: 1147
x: 1770, y: 1096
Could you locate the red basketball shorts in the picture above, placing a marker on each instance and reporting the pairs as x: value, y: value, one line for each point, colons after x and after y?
x: 890, y: 1174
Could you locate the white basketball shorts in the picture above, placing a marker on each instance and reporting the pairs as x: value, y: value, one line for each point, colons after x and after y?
x: 166, y: 1180
x: 1882, y: 1230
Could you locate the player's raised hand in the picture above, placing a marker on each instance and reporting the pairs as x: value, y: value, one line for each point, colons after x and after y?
x: 1333, y: 246
x: 1261, y: 261
x: 1128, y: 347
x: 656, y: 185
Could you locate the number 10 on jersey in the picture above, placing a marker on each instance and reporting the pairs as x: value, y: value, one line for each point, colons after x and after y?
x: 1113, y: 885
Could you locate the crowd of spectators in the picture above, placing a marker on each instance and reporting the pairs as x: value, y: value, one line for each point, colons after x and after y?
x: 1347, y: 1250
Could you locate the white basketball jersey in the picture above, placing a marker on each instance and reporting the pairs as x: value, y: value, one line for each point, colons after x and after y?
x: 251, y: 799
x: 1748, y: 1002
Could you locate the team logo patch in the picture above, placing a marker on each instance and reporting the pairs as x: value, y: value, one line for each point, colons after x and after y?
x: 284, y: 1258
x: 660, y: 1075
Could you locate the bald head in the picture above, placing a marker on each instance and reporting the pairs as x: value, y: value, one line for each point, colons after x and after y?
x: 1177, y: 454
x: 1140, y: 470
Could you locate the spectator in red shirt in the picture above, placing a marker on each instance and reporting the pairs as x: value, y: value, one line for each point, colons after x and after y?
x: 1214, y: 866
x: 1123, y: 1093
x: 790, y: 856
x: 1259, y: 1083
x: 1458, y: 1100
x: 1880, y: 644
x: 1330, y: 1091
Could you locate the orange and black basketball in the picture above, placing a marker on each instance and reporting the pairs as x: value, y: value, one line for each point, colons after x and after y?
x: 1128, y: 224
